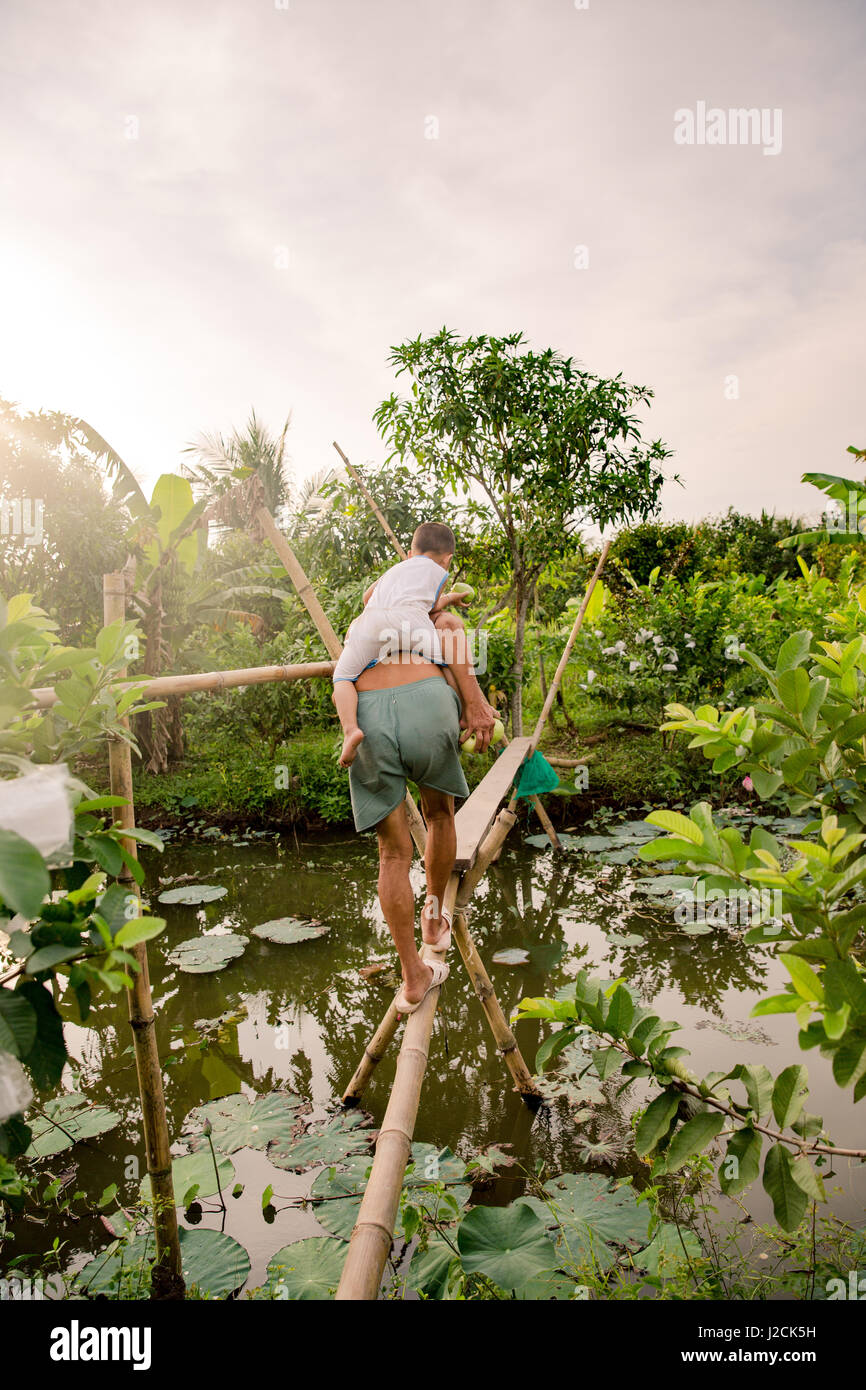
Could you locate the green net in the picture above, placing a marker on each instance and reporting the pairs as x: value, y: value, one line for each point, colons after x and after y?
x: 536, y: 777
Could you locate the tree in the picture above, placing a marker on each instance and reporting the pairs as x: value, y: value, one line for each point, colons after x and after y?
x: 220, y: 463
x: 57, y: 536
x: 548, y: 446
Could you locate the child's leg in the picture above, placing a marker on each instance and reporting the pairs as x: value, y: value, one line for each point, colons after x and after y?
x: 346, y: 702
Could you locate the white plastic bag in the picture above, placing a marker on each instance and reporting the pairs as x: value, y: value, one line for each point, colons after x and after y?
x: 37, y: 807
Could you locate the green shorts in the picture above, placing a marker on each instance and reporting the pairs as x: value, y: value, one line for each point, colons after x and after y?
x: 411, y: 733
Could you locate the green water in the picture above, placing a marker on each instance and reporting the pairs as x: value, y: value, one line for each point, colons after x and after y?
x: 303, y: 1014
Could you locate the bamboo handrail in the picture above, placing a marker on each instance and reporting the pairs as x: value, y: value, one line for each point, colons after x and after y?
x: 155, y: 686
x: 563, y: 661
x: 166, y: 1277
x: 371, y: 503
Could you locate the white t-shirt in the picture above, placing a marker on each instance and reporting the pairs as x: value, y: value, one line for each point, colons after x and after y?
x: 416, y: 582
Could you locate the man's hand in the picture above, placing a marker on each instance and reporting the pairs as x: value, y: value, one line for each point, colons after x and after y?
x: 478, y: 719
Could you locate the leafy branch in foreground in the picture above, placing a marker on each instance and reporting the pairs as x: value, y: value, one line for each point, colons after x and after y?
x: 690, y: 1112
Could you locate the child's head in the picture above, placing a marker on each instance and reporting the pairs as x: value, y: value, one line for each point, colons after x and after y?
x: 436, y: 540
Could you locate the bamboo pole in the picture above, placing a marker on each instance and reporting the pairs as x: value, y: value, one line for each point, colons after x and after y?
x: 371, y: 503
x: 479, y: 979
x: 374, y: 1229
x: 166, y: 1277
x: 563, y: 661
x: 156, y: 686
x: 307, y: 594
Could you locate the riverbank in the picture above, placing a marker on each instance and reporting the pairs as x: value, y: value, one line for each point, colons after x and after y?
x: 302, y: 785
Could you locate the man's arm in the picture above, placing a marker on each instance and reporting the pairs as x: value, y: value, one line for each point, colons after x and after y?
x: 479, y: 716
x: 368, y: 593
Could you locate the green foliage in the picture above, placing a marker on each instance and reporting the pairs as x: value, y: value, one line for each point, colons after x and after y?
x: 61, y: 921
x: 545, y: 443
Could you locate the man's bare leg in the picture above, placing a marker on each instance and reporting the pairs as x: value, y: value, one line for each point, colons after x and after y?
x: 346, y: 700
x: 398, y: 901
x: 439, y: 859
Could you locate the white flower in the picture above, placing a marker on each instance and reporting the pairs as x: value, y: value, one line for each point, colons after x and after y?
x: 742, y: 750
x: 590, y: 677
x: 668, y: 666
x: 598, y: 632
x: 690, y: 644
x: 634, y: 665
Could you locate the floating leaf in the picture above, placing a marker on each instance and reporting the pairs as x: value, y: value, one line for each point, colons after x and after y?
x: 427, y: 1164
x: 67, y: 1120
x: 307, y: 1269
x: 593, y: 1216
x: 287, y: 931
x: 237, y: 1123
x: 202, y: 954
x: 508, y: 1244
x: 193, y: 894
x: 211, y: 1261
x: 196, y: 1170
x: 323, y: 1143
x: 514, y: 956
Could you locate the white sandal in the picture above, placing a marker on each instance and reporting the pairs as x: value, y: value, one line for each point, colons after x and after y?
x: 444, y: 941
x: 440, y: 970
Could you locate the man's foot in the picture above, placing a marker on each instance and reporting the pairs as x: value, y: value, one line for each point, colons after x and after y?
x: 435, y: 930
x: 350, y: 747
x: 410, y: 996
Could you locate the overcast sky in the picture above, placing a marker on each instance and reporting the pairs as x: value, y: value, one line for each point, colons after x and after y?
x: 213, y: 206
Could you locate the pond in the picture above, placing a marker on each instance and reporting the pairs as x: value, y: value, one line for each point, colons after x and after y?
x: 297, y: 1016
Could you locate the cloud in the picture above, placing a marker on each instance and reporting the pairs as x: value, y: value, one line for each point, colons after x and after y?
x: 141, y: 277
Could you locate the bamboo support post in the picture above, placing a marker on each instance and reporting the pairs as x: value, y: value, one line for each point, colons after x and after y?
x: 372, y: 1056
x: 166, y: 1277
x: 479, y: 978
x: 563, y: 660
x: 371, y: 1239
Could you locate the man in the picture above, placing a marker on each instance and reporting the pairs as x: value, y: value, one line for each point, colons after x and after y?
x: 411, y: 721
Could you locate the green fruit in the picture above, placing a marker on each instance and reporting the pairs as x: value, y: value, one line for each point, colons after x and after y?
x: 465, y: 589
x: 496, y: 737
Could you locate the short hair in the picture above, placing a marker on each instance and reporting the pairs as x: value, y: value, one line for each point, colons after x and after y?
x: 434, y: 537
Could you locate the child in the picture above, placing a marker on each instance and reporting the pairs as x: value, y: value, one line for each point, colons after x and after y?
x: 396, y: 618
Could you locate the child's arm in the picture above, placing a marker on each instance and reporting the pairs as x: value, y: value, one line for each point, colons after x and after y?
x: 450, y: 600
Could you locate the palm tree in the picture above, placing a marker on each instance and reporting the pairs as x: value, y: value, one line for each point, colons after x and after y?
x: 221, y: 462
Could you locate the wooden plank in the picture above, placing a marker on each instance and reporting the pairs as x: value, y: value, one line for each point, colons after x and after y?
x: 477, y: 813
